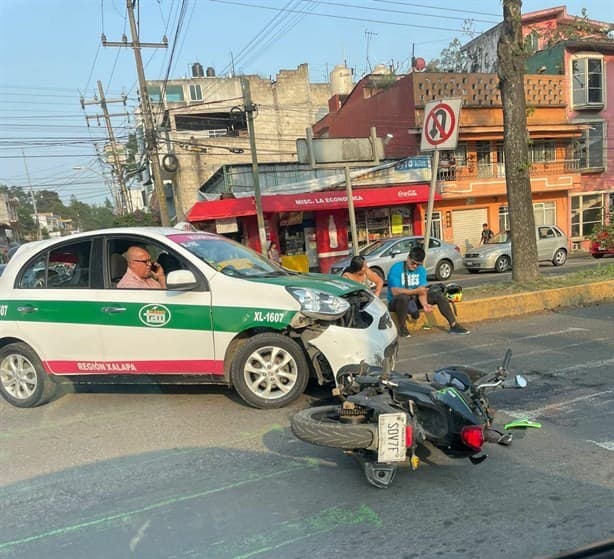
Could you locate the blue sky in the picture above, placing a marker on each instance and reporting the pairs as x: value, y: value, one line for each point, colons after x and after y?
x: 51, y: 54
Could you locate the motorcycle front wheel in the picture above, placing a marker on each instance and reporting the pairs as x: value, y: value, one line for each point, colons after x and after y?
x: 323, y: 426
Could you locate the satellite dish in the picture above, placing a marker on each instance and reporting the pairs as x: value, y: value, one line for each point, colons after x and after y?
x: 419, y: 64
x: 611, y: 34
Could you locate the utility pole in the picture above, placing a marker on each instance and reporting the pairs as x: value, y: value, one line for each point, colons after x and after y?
x: 250, y: 108
x: 125, y: 203
x: 38, y: 223
x: 148, y: 120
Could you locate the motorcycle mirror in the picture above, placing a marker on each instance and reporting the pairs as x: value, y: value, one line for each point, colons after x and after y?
x: 518, y: 381
x: 521, y: 381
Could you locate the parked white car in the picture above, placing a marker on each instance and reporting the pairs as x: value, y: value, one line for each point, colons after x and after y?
x: 552, y: 246
x: 228, y: 316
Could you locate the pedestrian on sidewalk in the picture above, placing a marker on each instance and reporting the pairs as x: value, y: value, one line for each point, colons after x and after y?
x: 407, y: 284
x: 359, y: 271
x: 486, y: 235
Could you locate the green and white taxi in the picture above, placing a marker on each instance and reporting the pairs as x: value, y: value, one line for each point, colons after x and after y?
x: 227, y: 316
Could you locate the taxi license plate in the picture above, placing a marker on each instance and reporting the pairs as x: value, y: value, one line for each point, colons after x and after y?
x: 391, y: 429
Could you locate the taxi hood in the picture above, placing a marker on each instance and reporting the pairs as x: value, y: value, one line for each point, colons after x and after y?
x: 333, y: 285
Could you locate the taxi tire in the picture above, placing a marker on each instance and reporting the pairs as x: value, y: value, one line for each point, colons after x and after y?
x: 45, y: 386
x: 322, y: 426
x: 261, y: 341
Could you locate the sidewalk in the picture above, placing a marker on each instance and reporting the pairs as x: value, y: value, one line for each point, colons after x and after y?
x: 504, y: 306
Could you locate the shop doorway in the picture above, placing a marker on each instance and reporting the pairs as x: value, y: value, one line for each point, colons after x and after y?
x: 467, y: 227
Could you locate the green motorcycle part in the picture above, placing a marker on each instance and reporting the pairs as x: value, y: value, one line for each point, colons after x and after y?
x: 522, y: 424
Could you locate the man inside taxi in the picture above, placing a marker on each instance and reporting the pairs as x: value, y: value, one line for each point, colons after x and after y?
x: 142, y: 273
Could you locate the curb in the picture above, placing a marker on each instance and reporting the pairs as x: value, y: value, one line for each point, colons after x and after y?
x: 522, y: 303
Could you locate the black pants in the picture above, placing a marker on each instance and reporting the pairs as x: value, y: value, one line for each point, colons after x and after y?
x: 402, y: 305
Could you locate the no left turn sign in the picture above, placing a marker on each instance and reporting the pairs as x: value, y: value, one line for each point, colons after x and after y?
x: 440, y: 129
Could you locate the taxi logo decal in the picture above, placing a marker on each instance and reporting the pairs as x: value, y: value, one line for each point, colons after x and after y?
x: 154, y: 315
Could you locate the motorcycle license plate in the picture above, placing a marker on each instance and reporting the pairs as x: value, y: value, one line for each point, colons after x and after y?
x: 391, y: 430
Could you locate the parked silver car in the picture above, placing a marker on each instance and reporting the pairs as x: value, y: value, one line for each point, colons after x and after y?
x: 497, y: 254
x: 441, y: 259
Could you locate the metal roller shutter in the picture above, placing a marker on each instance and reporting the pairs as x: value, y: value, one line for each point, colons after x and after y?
x: 467, y: 226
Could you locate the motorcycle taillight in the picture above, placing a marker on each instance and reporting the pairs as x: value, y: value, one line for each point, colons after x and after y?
x: 473, y: 436
x: 409, y: 436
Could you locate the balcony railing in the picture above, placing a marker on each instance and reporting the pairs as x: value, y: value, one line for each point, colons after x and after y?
x: 497, y: 170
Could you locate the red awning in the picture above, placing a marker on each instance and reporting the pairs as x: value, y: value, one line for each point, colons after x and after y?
x: 312, y: 201
x: 217, y: 209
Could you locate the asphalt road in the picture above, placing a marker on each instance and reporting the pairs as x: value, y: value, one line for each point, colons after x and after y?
x: 193, y: 473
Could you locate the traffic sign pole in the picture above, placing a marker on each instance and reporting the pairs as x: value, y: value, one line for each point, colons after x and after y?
x: 429, y: 208
x: 439, y: 131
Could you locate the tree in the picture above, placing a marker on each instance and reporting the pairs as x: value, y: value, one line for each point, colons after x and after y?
x: 452, y: 59
x: 138, y: 218
x: 512, y: 58
x: 25, y: 226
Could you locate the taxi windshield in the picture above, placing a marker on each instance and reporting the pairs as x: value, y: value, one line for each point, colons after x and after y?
x: 229, y: 257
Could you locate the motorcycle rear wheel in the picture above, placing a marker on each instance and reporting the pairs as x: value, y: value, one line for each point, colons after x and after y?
x: 322, y: 426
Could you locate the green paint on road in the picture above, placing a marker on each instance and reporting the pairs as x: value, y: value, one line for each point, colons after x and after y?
x: 159, y: 505
x: 292, y: 532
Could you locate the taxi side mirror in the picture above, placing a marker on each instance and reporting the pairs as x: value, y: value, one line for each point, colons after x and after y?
x: 181, y: 280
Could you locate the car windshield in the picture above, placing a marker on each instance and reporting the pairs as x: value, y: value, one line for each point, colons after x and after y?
x: 500, y: 238
x: 228, y: 257
x: 373, y: 247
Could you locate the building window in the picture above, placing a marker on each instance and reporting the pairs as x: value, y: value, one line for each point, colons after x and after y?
x: 532, y: 41
x: 504, y: 218
x: 545, y: 213
x: 541, y: 151
x: 485, y: 169
x: 460, y: 154
x: 587, y: 76
x: 215, y: 124
x: 174, y: 93
x: 435, y: 225
x: 154, y: 93
x: 586, y: 213
x: 195, y: 93
x: 588, y: 150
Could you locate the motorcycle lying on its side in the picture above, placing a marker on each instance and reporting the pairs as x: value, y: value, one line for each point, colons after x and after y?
x: 385, y: 416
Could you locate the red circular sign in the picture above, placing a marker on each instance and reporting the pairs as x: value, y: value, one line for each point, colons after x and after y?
x: 439, y: 124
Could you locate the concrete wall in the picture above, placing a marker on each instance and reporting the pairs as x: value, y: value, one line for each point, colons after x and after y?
x: 286, y: 106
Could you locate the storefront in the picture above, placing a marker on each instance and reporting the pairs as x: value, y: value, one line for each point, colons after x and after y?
x: 312, y: 229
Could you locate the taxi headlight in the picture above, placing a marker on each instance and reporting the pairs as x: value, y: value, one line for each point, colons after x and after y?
x: 319, y: 304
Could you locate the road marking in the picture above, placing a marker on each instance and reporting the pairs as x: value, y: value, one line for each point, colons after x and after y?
x: 584, y: 366
x: 537, y: 412
x: 139, y: 535
x: 608, y: 445
x: 516, y: 340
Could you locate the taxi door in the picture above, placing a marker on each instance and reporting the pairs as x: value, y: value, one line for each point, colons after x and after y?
x: 56, y: 307
x: 158, y: 331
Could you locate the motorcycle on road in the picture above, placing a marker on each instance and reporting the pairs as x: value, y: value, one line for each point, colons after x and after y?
x: 384, y: 417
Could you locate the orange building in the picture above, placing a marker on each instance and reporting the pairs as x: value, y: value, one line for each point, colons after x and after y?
x: 471, y: 179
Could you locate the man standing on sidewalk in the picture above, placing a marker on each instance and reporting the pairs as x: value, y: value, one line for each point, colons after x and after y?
x: 406, y: 283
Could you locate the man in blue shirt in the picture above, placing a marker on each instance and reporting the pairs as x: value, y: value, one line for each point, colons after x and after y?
x: 407, y: 284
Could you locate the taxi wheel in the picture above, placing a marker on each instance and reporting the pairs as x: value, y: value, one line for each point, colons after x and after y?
x: 269, y: 371
x: 23, y: 381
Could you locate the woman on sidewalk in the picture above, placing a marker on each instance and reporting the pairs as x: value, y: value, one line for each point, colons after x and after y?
x: 359, y: 272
